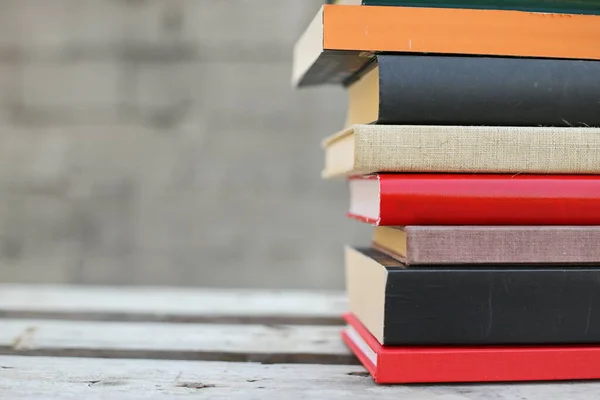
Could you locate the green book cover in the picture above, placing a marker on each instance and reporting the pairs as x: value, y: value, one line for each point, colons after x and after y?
x: 545, y: 6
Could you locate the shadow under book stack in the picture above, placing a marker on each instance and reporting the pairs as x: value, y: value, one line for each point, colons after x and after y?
x: 472, y: 145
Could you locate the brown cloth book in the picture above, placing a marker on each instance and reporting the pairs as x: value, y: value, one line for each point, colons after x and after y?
x: 413, y: 245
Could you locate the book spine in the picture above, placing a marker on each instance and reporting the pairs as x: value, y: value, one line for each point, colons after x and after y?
x: 480, y: 149
x: 448, y: 90
x: 546, y: 6
x: 348, y: 31
x: 434, y: 199
x: 487, y: 306
x: 469, y: 364
x: 502, y: 245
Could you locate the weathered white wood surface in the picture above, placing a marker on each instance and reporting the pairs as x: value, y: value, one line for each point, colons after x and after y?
x: 286, y: 350
x: 79, y: 378
x: 170, y: 304
x: 189, y: 341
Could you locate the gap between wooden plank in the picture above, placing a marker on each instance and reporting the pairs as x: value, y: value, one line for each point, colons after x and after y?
x: 156, y: 304
x: 215, y: 319
x: 256, y: 343
x: 71, y: 378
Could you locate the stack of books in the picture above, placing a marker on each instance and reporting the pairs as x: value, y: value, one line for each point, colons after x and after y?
x: 472, y: 145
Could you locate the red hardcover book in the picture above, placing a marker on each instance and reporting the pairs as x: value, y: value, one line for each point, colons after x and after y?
x: 469, y: 364
x: 476, y: 199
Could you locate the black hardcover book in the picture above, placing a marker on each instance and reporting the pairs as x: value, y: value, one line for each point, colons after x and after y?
x: 466, y: 90
x: 483, y: 305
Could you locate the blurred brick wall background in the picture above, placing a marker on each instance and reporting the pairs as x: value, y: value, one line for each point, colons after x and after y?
x: 160, y: 142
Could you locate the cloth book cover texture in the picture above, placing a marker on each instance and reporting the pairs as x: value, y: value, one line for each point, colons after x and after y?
x: 437, y: 364
x: 509, y: 91
x: 486, y: 305
x: 500, y: 244
x: 456, y: 149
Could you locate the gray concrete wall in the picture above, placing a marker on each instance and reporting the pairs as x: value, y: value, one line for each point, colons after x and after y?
x: 159, y: 142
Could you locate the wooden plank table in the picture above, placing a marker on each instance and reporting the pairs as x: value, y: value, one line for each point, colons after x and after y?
x: 62, y: 342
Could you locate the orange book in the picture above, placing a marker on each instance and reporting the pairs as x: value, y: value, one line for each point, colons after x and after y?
x: 342, y: 39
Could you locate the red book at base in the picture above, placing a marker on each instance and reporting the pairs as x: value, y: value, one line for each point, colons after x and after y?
x: 469, y: 364
x: 475, y: 199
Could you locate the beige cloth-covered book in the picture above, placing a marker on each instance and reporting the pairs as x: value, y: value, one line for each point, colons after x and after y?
x: 364, y: 149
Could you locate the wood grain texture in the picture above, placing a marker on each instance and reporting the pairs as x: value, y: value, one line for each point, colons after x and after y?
x: 84, y: 364
x: 171, y: 304
x: 70, y: 378
x: 258, y: 343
